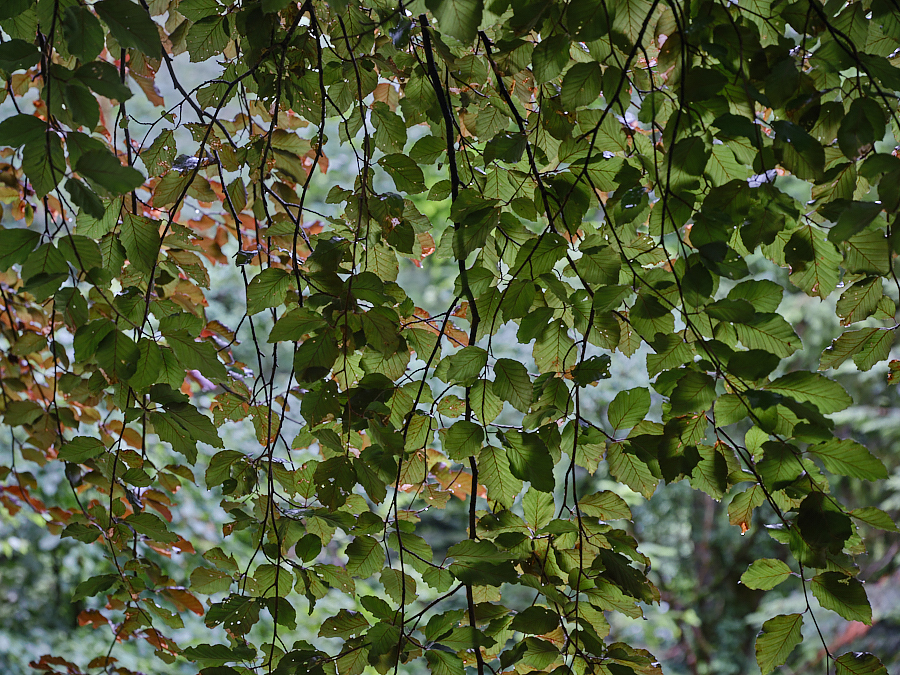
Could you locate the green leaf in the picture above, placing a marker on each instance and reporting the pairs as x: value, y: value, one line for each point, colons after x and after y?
x: 753, y: 364
x: 18, y: 54
x: 85, y: 198
x: 219, y: 653
x: 89, y: 226
x: 538, y: 508
x: 820, y: 526
x: 550, y: 57
x: 365, y: 556
x: 314, y: 358
x: 733, y: 311
x: 210, y: 581
x: 777, y: 640
x: 554, y: 351
x: 183, y: 425
x: 862, y: 126
x: 627, y: 468
x: 195, y: 10
x: 512, y: 383
x: 140, y: 237
x: 854, y: 218
x: 400, y: 587
x: 13, y: 7
x: 117, y: 353
x: 591, y: 370
x: 581, y: 85
x: 444, y: 663
x: 740, y: 510
x: 463, y: 439
x: 237, y: 613
x: 535, y: 621
x: 630, y: 18
x: 152, y: 526
x: 272, y: 581
x: 691, y: 155
x: 605, y: 505
x: 85, y: 533
x: 711, y: 473
x: 529, y: 460
x: 405, y: 173
x: 859, y: 301
x: 105, y: 170
x: 480, y: 562
x: 801, y: 154
x: 805, y: 387
x: 859, y: 663
x: 427, y: 149
x: 763, y: 295
x: 131, y: 25
x: 601, y: 266
x: 381, y: 328
x: 814, y: 261
x: 102, y: 78
x: 44, y: 163
x: 466, y: 365
x: 534, y: 324
x: 83, y: 33
x: 17, y: 130
x: 495, y: 474
x: 781, y: 465
x: 486, y: 405
x: 219, y: 469
x: 93, y: 586
x: 463, y: 638
x: 842, y: 594
x: 158, y: 158
x: 80, y: 252
x: 291, y: 327
x: 16, y: 244
x: 390, y: 131
x: 694, y: 392
x: 208, y: 37
x: 868, y: 252
x: 267, y: 289
x: 771, y: 333
x: 269, y: 6
x: 846, y: 457
x: 344, y: 624
x: 765, y: 574
x: 875, y: 517
x: 149, y: 364
x: 82, y: 105
x: 458, y: 18
x: 867, y: 347
x: 81, y: 449
x: 89, y: 336
x: 507, y: 147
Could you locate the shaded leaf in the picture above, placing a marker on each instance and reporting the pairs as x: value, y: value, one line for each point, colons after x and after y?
x: 842, y: 594
x: 628, y: 408
x: 131, y: 25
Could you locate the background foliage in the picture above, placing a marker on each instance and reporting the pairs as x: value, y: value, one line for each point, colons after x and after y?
x: 397, y: 315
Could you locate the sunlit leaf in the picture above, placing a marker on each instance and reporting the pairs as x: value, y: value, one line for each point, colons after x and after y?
x: 777, y: 640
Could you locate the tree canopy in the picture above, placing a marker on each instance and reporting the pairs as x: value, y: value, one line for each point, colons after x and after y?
x: 629, y: 182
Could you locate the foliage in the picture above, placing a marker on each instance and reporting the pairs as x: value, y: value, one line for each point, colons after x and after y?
x: 616, y: 177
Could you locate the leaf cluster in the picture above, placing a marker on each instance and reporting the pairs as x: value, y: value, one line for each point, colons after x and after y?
x: 612, y: 179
